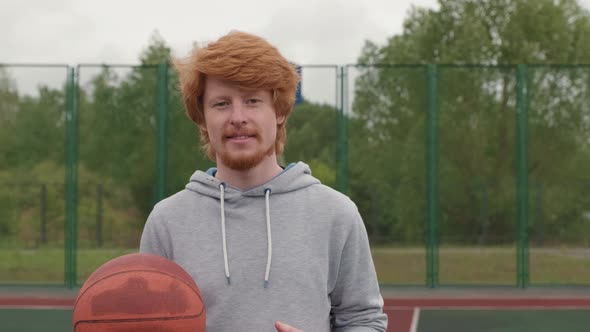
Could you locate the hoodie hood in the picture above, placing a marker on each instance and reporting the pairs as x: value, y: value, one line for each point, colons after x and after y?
x: 294, y: 177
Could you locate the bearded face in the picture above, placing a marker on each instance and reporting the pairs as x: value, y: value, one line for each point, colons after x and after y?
x: 241, y: 125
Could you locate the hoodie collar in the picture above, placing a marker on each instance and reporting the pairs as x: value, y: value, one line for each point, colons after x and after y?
x: 293, y: 177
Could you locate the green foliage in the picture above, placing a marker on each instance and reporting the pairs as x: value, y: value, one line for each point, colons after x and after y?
x: 387, y: 129
x: 22, y: 213
x: 184, y: 148
x: 32, y: 127
x: 119, y: 127
x: 477, y: 108
x: 312, y: 138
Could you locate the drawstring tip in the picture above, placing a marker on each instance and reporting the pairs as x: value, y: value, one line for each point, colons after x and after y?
x: 228, y: 281
x: 265, y: 283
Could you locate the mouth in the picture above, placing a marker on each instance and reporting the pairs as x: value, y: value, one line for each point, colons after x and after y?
x: 239, y: 137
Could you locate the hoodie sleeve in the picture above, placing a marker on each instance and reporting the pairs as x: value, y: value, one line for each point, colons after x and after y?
x: 357, y: 304
x: 155, y: 238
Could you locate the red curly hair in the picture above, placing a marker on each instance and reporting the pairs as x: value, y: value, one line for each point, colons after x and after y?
x: 246, y: 60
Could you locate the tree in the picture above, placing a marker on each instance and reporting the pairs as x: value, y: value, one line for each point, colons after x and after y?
x: 9, y: 101
x: 119, y: 128
x: 476, y: 116
x: 31, y: 134
x: 312, y: 137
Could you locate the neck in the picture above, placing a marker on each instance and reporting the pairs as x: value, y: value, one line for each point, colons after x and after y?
x: 250, y: 178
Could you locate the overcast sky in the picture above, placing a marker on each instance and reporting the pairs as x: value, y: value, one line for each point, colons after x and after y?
x: 116, y: 31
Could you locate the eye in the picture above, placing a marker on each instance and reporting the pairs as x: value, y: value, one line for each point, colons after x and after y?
x: 220, y: 104
x: 252, y: 101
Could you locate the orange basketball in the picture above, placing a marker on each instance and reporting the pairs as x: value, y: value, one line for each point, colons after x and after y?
x: 137, y: 293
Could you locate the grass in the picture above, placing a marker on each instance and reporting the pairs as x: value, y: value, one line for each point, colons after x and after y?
x: 47, y: 265
x: 467, y: 266
x: 483, y: 266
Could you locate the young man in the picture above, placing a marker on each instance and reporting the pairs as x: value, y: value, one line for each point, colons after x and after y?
x: 268, y: 246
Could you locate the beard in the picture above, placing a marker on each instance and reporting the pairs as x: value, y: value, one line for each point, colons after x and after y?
x: 243, y: 161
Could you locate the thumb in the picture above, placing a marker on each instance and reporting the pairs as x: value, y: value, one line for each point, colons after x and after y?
x: 282, y: 327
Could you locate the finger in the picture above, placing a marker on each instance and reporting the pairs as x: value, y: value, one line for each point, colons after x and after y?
x: 282, y: 327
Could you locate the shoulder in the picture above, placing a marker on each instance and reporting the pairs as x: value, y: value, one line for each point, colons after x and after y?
x: 335, y: 202
x: 180, y: 202
x: 330, y: 195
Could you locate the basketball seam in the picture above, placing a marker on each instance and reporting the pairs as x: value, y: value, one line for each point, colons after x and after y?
x: 155, y: 271
x: 135, y: 320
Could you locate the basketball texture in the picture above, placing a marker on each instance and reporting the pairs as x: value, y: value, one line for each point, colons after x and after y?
x: 137, y: 293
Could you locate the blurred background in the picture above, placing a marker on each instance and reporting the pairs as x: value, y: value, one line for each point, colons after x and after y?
x: 460, y: 128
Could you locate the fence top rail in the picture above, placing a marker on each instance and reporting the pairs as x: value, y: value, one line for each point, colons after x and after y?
x: 470, y: 65
x: 558, y: 65
x: 387, y: 65
x: 38, y: 65
x: 119, y: 65
x: 48, y: 183
x: 123, y: 65
x: 327, y: 66
x: 393, y: 65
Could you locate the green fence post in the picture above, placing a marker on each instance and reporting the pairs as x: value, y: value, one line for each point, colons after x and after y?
x: 342, y: 174
x: 71, y: 177
x: 43, y: 214
x: 432, y: 177
x: 99, y: 219
x: 522, y: 186
x: 162, y: 134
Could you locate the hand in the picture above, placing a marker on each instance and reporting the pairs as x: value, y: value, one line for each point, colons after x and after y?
x: 282, y: 327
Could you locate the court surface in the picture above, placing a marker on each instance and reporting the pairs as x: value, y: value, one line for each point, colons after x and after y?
x: 488, y: 315
x: 428, y: 311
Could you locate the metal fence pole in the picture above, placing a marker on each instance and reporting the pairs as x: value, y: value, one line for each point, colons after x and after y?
x: 162, y: 133
x: 43, y: 214
x: 71, y: 179
x: 342, y: 173
x: 522, y: 186
x: 432, y: 177
x: 99, y: 219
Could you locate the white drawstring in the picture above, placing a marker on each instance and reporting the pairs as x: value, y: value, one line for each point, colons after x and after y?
x: 222, y: 198
x: 269, y: 238
x: 268, y: 235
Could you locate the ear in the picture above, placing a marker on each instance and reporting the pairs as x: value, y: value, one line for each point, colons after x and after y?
x: 281, y: 119
x: 203, y: 129
x: 203, y: 125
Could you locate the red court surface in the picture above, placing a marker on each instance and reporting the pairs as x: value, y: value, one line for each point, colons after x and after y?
x: 403, y: 309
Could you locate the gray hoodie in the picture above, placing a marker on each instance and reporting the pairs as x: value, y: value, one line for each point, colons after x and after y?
x: 291, y: 250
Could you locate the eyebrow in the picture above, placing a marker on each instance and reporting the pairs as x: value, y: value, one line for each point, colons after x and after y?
x: 214, y: 99
x: 258, y: 94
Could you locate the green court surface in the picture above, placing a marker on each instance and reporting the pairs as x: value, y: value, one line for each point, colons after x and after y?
x: 32, y: 320
x: 429, y: 320
x: 501, y: 320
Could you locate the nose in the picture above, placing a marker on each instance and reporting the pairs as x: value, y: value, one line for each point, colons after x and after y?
x: 238, y: 115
